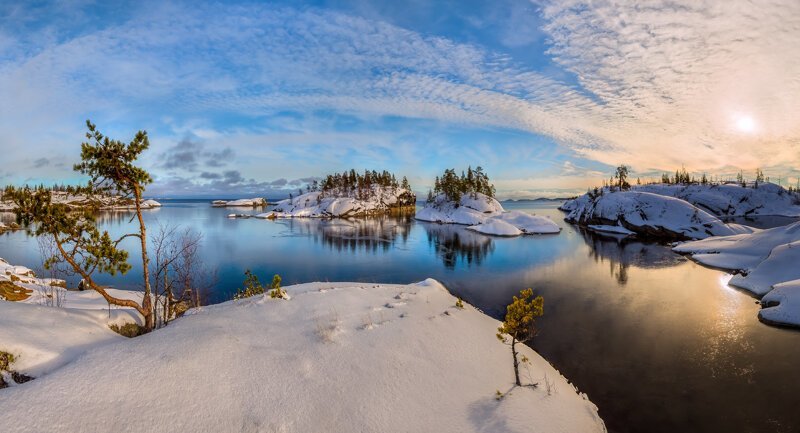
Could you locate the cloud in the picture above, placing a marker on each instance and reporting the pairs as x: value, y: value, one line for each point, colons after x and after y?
x: 188, y: 155
x: 652, y: 84
x: 41, y: 162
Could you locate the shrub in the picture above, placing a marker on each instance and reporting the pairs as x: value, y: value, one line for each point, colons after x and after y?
x: 252, y: 286
x: 519, y: 323
x: 129, y: 329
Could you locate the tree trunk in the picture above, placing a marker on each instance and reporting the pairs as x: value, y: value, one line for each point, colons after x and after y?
x: 147, y: 302
x: 516, y: 362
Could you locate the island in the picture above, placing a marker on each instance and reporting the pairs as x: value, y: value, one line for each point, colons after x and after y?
x: 348, y: 194
x: 469, y: 200
x: 678, y: 212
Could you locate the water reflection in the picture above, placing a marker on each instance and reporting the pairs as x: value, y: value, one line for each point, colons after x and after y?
x: 373, y: 235
x: 454, y: 244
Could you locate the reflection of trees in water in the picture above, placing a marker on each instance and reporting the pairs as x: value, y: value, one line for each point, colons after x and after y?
x: 371, y: 234
x: 455, y: 243
x: 624, y: 252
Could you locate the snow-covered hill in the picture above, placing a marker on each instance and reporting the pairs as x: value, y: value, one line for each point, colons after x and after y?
x: 316, y: 204
x: 733, y: 199
x: 766, y: 260
x: 720, y: 200
x: 336, y: 357
x: 485, y: 215
x: 648, y: 214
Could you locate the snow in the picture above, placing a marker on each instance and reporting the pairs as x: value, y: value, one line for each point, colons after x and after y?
x: 732, y: 199
x: 619, y: 230
x: 315, y: 204
x: 514, y: 223
x: 766, y: 260
x: 469, y: 211
x: 78, y: 201
x: 496, y: 227
x: 651, y: 215
x: 337, y: 357
x: 242, y: 202
x: 720, y: 200
x: 782, y: 304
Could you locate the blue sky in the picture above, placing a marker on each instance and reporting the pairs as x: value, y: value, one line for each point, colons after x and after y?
x: 260, y: 97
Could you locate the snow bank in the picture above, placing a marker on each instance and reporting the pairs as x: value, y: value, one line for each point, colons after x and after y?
x: 650, y: 215
x: 496, y: 227
x: 765, y: 260
x: 515, y: 223
x: 781, y: 306
x: 242, y: 202
x: 337, y: 357
x: 319, y: 205
x: 81, y: 201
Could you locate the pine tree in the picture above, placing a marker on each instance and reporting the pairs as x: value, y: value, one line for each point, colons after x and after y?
x: 518, y: 325
x: 110, y: 165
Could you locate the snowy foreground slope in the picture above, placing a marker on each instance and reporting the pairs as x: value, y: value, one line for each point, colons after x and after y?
x: 647, y: 214
x: 485, y: 215
x: 336, y: 357
x: 767, y: 262
x: 316, y: 204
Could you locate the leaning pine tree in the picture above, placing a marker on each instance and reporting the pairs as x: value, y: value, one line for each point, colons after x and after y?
x: 518, y: 326
x: 78, y: 241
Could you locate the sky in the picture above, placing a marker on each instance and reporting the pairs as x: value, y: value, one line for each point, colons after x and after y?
x: 259, y: 98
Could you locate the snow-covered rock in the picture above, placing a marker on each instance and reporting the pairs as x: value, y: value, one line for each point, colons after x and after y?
x: 721, y: 200
x: 150, y: 204
x: 242, y: 202
x: 781, y: 306
x: 763, y: 260
x: 316, y: 204
x: 485, y: 215
x: 83, y: 201
x: 496, y: 227
x: 514, y: 223
x: 616, y: 230
x: 733, y: 199
x: 651, y: 215
x: 471, y: 210
x: 336, y: 357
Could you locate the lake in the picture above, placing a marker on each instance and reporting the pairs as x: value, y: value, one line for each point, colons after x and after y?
x: 658, y: 342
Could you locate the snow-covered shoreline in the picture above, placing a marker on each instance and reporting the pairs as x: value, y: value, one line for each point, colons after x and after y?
x: 764, y: 262
x: 82, y: 201
x: 485, y: 215
x: 336, y: 357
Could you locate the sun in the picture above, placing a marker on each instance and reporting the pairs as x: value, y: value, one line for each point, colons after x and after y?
x: 746, y: 124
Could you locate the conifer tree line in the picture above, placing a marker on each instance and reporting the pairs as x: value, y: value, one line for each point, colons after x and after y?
x: 362, y: 186
x: 453, y: 186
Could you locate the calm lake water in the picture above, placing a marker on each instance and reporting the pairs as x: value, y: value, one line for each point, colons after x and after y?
x: 658, y: 342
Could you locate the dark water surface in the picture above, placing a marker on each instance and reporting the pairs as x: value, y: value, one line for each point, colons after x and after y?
x: 658, y: 342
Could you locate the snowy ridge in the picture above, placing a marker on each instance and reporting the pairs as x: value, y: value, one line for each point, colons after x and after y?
x: 346, y: 357
x: 317, y: 204
x: 649, y: 214
x: 485, y: 215
x: 765, y: 260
